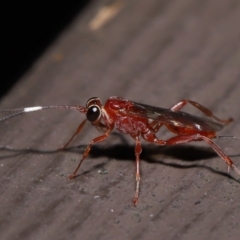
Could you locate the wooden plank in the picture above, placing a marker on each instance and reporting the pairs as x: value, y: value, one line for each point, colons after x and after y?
x: 154, y: 52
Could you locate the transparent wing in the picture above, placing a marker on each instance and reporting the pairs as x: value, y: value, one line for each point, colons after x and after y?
x: 169, y: 117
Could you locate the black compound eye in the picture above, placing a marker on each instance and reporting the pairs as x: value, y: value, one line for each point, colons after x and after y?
x: 93, y: 113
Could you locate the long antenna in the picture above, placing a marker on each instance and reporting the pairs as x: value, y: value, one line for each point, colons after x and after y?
x: 228, y: 137
x: 17, y: 111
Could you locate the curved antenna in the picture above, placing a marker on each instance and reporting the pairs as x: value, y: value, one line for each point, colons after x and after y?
x: 18, y: 111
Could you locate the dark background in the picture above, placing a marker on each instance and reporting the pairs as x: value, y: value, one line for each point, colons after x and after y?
x: 28, y: 29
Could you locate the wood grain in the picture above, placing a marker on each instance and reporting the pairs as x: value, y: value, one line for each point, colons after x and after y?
x: 154, y: 52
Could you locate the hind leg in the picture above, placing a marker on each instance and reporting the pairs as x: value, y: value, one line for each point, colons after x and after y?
x: 203, y: 109
x: 151, y: 137
x: 156, y: 125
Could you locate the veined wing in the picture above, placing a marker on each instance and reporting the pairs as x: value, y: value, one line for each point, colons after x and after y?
x: 178, y: 118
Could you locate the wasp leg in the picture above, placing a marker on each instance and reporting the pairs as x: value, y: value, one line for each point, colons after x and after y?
x: 151, y: 137
x: 197, y: 137
x: 75, y: 134
x: 203, y: 109
x: 138, y: 150
x: 156, y: 125
x: 87, y: 150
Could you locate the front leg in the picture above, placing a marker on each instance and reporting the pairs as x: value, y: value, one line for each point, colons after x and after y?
x: 138, y: 150
x: 87, y: 150
x: 80, y: 127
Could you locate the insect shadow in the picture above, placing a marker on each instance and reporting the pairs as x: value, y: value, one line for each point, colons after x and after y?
x: 160, y: 155
x: 125, y: 152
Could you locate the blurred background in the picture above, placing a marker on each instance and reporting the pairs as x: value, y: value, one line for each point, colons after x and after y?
x: 28, y: 28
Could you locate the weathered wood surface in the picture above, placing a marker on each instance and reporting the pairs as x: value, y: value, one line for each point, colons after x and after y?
x: 155, y: 52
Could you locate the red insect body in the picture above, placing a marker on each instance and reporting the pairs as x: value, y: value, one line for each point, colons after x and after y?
x: 140, y: 120
x: 143, y: 121
x: 116, y: 109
